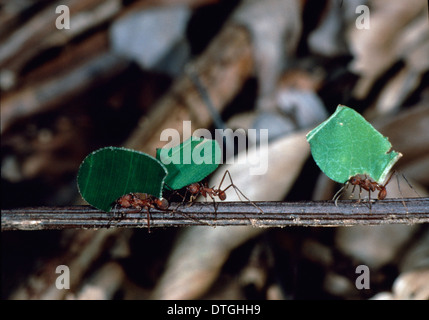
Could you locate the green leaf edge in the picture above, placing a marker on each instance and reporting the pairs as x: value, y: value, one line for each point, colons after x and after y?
x: 192, y: 139
x: 388, y: 167
x: 125, y: 149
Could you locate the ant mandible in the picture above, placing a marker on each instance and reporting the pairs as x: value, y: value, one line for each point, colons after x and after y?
x: 142, y: 201
x: 198, y: 188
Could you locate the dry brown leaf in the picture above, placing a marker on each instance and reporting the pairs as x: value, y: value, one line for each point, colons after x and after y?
x: 374, y: 246
x: 222, y: 69
x: 413, y: 285
x: 103, y: 284
x: 84, y: 247
x: 409, y: 134
x: 275, y: 26
x: 414, y: 45
x: 377, y: 49
x: 338, y: 285
x: 197, y: 259
x: 417, y: 256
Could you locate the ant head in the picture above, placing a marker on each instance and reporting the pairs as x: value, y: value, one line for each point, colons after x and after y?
x: 222, y: 195
x: 162, y: 203
x: 193, y: 188
x: 382, y: 194
x: 354, y: 180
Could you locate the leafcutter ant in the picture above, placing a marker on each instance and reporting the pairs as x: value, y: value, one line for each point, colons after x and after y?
x: 142, y: 201
x: 199, y: 188
x: 365, y: 183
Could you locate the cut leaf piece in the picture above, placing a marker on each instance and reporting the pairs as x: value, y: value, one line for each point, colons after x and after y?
x: 109, y: 173
x: 189, y: 162
x: 346, y: 145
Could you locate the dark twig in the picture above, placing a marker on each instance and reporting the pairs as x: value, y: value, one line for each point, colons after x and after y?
x: 217, y: 119
x: 276, y: 214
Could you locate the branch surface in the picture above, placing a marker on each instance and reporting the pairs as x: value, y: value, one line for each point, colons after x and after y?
x: 276, y: 214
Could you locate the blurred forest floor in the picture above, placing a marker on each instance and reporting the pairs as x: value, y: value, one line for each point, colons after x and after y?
x: 121, y: 74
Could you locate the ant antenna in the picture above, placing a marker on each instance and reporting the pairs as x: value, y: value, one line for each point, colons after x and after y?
x: 399, y: 188
x: 339, y: 193
x: 409, y: 184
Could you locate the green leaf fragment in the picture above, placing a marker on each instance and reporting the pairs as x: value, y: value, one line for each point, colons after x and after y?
x: 346, y: 145
x: 111, y: 172
x: 189, y: 162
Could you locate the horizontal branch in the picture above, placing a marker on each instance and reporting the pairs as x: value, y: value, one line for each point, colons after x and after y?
x: 276, y: 214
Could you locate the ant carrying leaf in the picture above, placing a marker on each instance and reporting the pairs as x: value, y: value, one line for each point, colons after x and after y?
x: 199, y: 188
x: 366, y: 183
x: 142, y: 201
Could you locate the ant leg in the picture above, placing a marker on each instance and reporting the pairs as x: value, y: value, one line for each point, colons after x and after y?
x: 237, y: 190
x: 409, y: 184
x: 360, y: 191
x: 223, y: 178
x: 250, y: 201
x: 193, y: 198
x: 180, y: 203
x: 369, y: 199
x: 148, y: 219
x: 115, y: 207
x: 191, y: 202
x: 184, y: 214
x: 230, y: 185
x: 399, y: 188
x: 214, y: 203
x: 118, y: 215
x: 360, y: 194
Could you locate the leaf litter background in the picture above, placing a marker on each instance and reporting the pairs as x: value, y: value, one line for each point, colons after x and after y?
x: 119, y: 77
